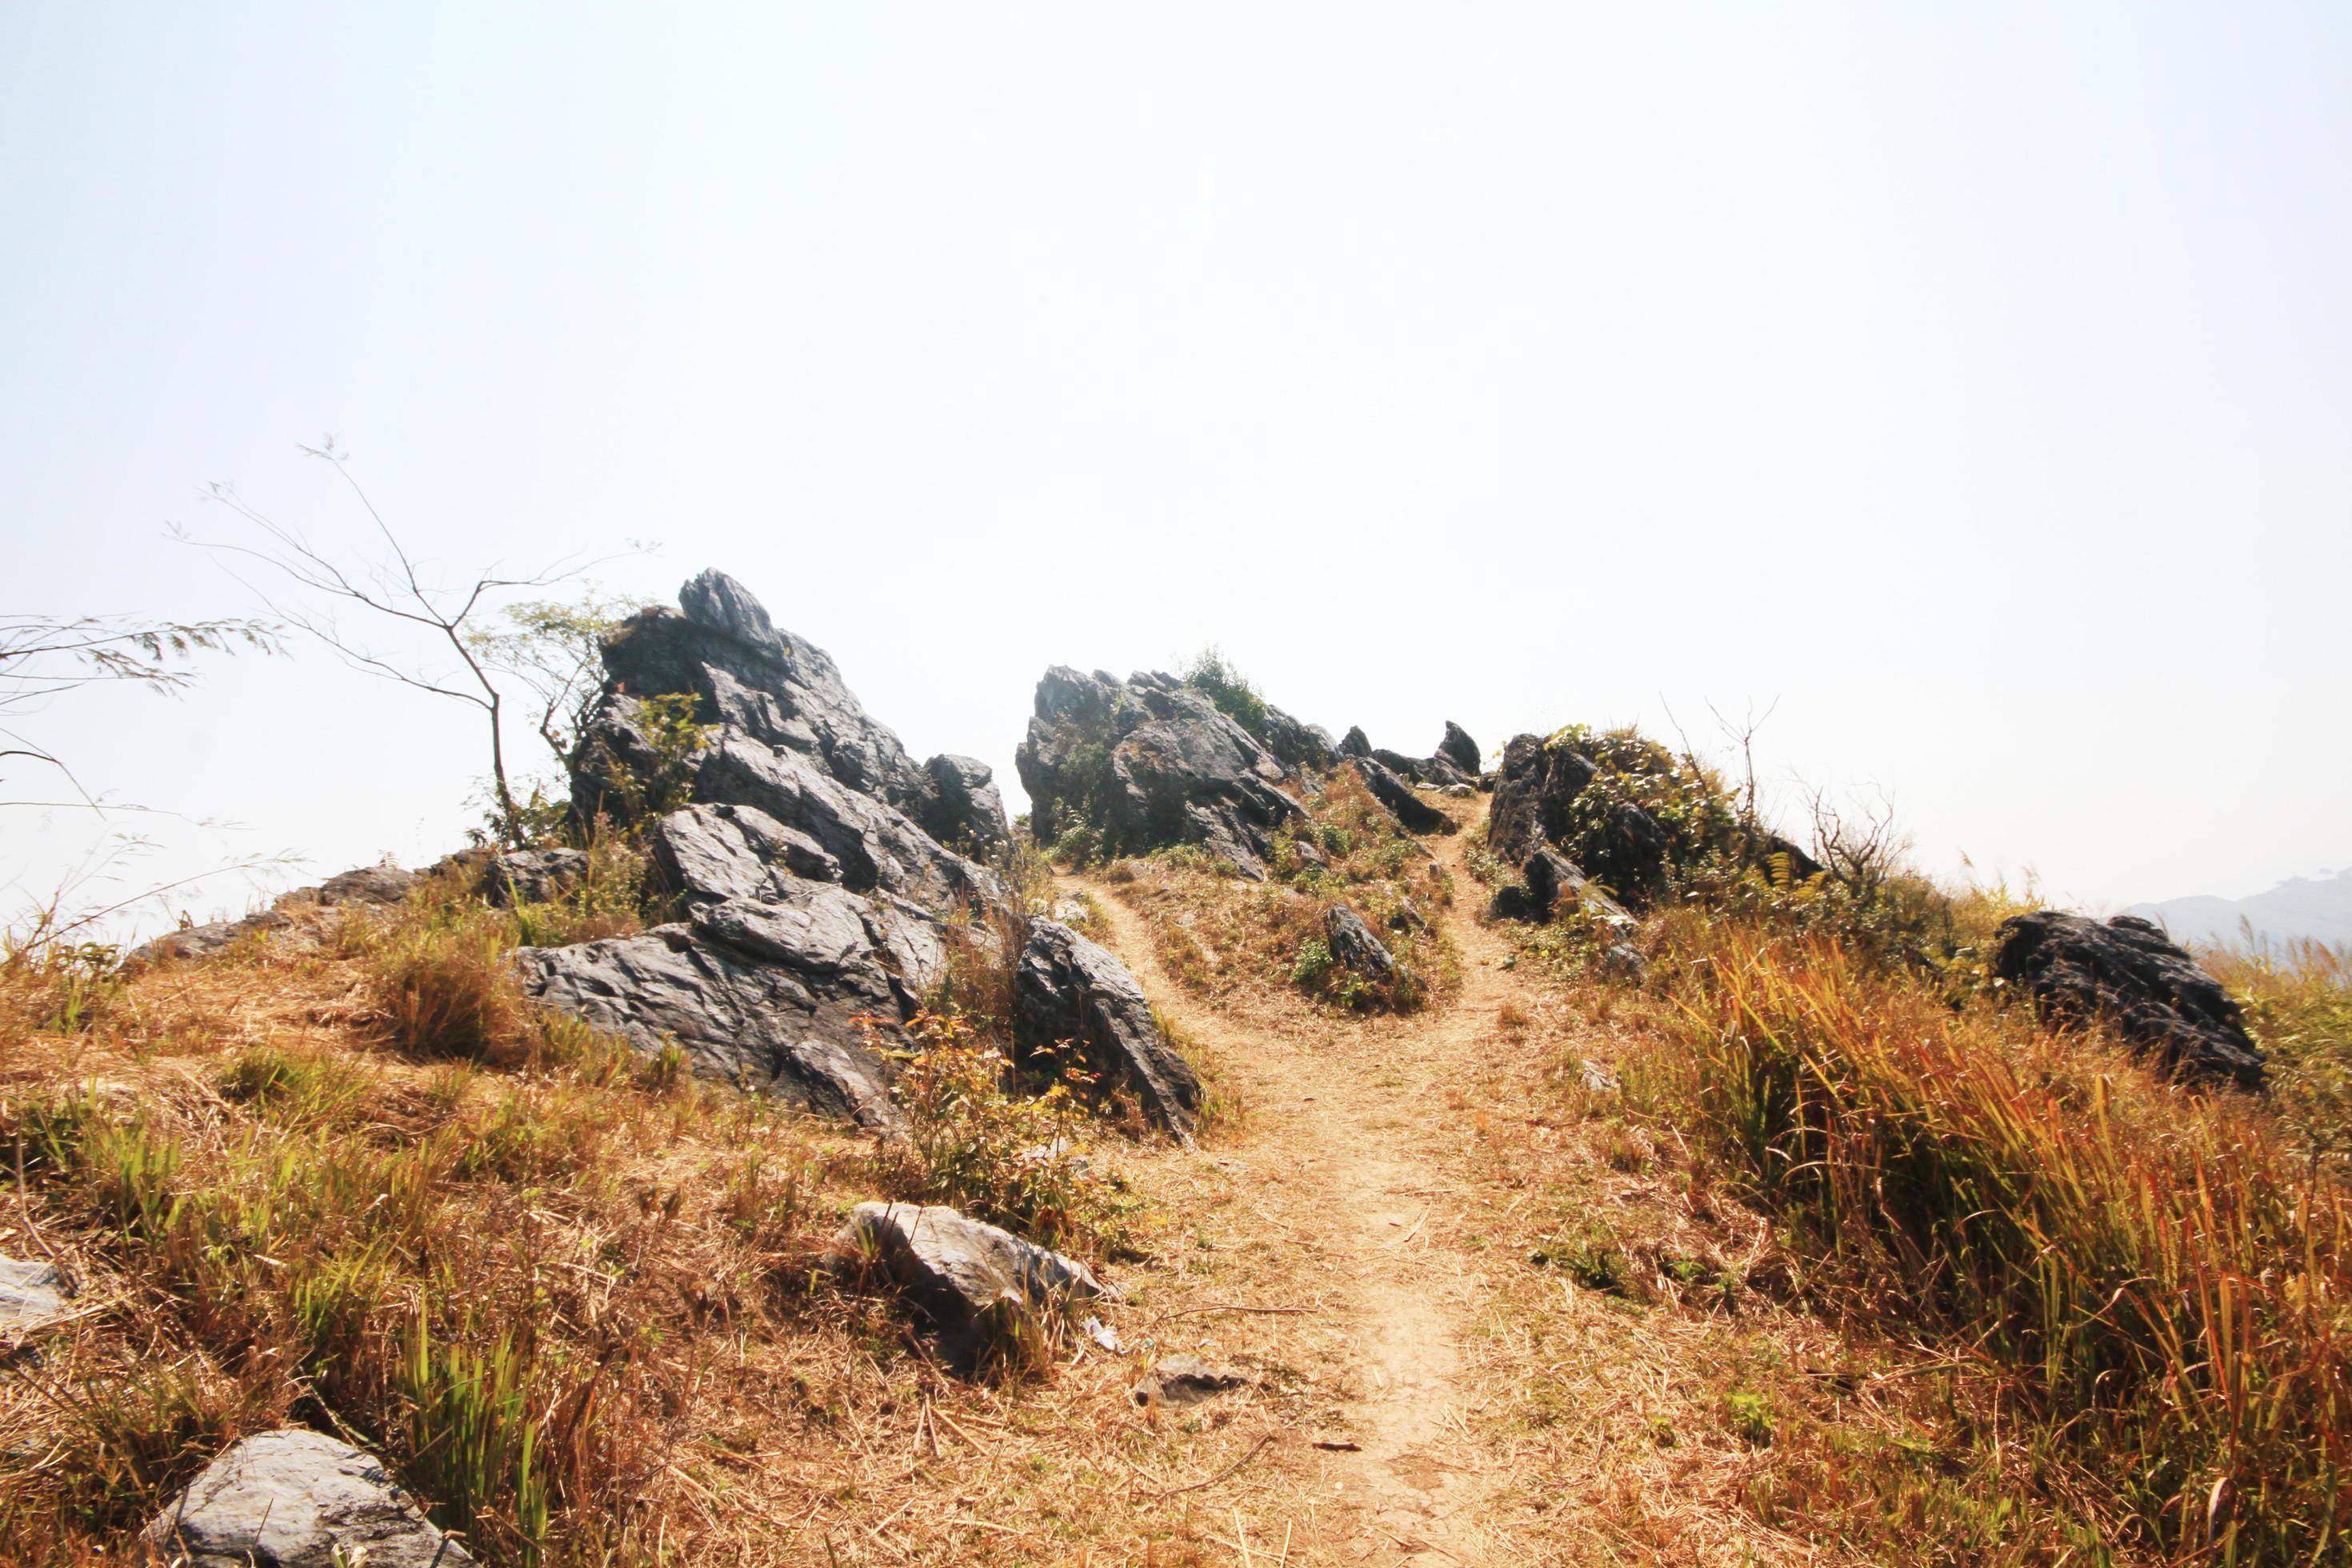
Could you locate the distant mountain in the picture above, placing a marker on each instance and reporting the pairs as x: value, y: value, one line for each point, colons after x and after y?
x: 2318, y: 907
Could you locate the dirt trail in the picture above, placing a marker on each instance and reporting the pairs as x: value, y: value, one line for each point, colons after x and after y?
x: 1340, y: 1154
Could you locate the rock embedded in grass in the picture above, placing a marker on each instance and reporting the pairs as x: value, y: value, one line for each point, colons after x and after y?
x: 2130, y: 974
x: 1352, y: 942
x: 1416, y: 815
x: 974, y: 1283
x: 1188, y: 1379
x: 298, y: 1499
x: 31, y: 1294
x: 1068, y: 988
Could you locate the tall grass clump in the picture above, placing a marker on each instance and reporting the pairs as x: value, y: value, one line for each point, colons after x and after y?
x: 2298, y: 1002
x: 2162, y: 1287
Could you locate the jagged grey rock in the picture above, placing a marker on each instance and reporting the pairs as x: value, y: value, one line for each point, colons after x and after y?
x: 1295, y: 744
x: 371, y: 886
x: 1355, y: 743
x: 1459, y: 749
x: 297, y: 1499
x: 1188, y: 1379
x: 812, y: 891
x: 367, y: 885
x: 1068, y: 988
x: 767, y: 686
x: 533, y: 876
x: 1533, y: 787
x: 1151, y: 763
x: 31, y: 1294
x: 1353, y: 944
x: 2130, y: 974
x: 761, y: 983
x: 963, y: 1276
x: 1415, y: 814
x: 964, y: 809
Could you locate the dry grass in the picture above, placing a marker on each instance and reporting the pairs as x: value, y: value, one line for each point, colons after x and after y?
x: 339, y: 1188
x: 1218, y: 935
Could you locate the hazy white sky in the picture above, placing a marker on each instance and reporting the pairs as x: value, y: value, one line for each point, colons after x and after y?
x: 1974, y: 384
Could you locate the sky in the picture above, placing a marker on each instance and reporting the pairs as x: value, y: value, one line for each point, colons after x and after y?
x: 1967, y: 390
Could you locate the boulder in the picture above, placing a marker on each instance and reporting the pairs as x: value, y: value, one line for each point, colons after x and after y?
x: 760, y: 682
x: 1353, y: 944
x: 964, y: 809
x: 1416, y: 815
x: 31, y: 1294
x: 296, y: 1498
x: 1297, y: 745
x: 1354, y: 744
x: 1459, y: 749
x: 365, y: 887
x: 533, y: 876
x: 1187, y: 1380
x: 1533, y: 789
x: 1150, y: 762
x: 1068, y: 988
x: 2127, y: 973
x: 971, y: 1281
x: 763, y: 982
x: 379, y: 885
x: 193, y: 942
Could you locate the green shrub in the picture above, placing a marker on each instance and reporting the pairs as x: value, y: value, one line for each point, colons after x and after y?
x: 1213, y: 675
x: 977, y: 1139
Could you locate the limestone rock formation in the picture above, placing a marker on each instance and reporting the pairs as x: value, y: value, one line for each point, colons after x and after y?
x: 1416, y: 814
x: 1068, y: 988
x: 364, y: 887
x: 533, y: 876
x: 297, y: 1499
x: 1352, y: 944
x: 1459, y: 749
x: 1150, y: 762
x: 769, y: 687
x: 2128, y: 973
x: 966, y: 1277
x: 812, y: 894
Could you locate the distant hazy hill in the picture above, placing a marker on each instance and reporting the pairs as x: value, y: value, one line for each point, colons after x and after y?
x: 2318, y: 907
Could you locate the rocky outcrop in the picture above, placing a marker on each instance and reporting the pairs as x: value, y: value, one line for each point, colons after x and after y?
x: 812, y: 894
x: 1150, y: 762
x: 31, y: 1294
x: 1355, y: 743
x: 1533, y: 787
x: 765, y: 686
x: 1459, y: 749
x: 1352, y: 944
x: 760, y: 983
x: 1297, y: 745
x: 1416, y: 815
x: 964, y: 810
x: 362, y: 887
x: 533, y: 876
x: 2128, y: 975
x: 297, y: 1499
x: 1068, y: 988
x: 973, y: 1282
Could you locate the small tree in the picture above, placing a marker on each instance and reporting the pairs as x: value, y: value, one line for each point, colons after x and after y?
x: 396, y: 592
x: 557, y: 649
